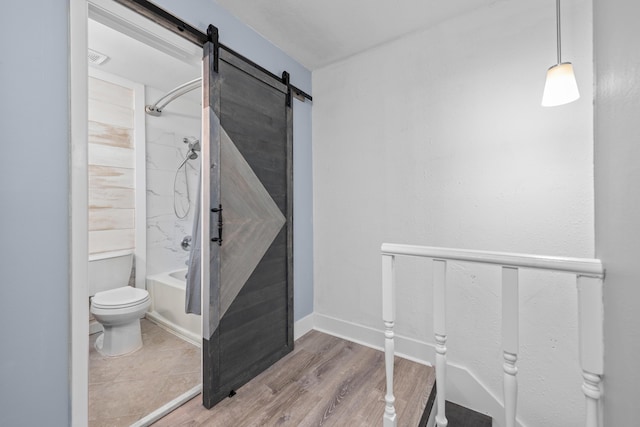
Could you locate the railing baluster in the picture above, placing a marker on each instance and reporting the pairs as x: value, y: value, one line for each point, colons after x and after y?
x: 389, y: 316
x: 439, y: 326
x: 590, y: 323
x: 510, y: 334
x: 590, y: 275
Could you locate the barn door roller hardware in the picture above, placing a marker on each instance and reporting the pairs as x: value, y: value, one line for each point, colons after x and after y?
x: 214, y: 37
x: 194, y: 35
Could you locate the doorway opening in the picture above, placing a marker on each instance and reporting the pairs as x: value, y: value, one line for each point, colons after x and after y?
x: 140, y: 174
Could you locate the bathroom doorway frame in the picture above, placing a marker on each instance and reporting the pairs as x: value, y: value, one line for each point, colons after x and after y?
x: 78, y: 216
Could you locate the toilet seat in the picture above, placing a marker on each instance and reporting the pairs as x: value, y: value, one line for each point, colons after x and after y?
x: 124, y: 297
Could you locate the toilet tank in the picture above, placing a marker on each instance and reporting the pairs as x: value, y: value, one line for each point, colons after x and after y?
x: 109, y: 270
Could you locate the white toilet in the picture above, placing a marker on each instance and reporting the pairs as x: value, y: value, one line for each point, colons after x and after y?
x: 115, y: 305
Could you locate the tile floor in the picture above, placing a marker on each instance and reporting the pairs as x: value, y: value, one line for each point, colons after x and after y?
x: 124, y: 389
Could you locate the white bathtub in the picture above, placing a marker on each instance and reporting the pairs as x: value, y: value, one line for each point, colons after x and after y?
x: 167, y: 291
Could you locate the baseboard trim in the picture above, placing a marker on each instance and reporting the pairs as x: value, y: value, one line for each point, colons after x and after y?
x: 407, y: 348
x: 463, y: 387
x: 303, y: 326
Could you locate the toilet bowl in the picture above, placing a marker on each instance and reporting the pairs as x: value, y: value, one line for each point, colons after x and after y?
x: 119, y: 311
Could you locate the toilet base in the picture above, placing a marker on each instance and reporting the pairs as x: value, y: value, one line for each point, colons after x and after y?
x: 119, y: 340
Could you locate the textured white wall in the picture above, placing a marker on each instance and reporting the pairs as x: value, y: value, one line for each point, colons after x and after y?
x: 617, y: 171
x: 439, y: 139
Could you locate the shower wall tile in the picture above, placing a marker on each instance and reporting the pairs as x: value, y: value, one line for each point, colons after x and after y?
x: 183, y: 226
x: 161, y: 135
x: 158, y: 205
x: 164, y: 252
x: 160, y: 260
x: 160, y: 230
x: 162, y: 157
x: 161, y: 181
x: 165, y: 151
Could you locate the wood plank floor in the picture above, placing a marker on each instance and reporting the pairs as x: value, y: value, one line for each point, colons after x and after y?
x: 325, y: 381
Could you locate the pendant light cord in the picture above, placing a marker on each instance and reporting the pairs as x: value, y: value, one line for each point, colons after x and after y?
x: 558, y: 29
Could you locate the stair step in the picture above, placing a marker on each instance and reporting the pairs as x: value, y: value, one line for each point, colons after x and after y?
x: 457, y: 416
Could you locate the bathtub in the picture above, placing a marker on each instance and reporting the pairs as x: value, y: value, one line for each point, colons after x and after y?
x: 167, y: 291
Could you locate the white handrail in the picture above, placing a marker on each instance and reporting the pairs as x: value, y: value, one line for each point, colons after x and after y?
x: 579, y: 266
x: 589, y: 280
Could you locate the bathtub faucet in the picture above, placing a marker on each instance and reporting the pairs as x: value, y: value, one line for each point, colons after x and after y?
x: 186, y: 243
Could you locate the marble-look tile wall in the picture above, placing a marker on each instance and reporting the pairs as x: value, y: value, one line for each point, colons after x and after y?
x: 165, y: 151
x: 111, y: 167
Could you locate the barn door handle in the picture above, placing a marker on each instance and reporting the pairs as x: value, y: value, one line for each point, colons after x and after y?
x: 218, y: 239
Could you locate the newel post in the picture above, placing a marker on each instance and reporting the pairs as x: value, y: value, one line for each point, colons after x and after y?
x: 389, y: 317
x: 590, y: 324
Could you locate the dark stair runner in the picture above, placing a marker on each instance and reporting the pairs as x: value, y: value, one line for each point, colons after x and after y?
x: 457, y: 416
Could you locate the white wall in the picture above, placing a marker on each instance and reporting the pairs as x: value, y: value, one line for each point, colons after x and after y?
x: 439, y: 139
x: 617, y: 173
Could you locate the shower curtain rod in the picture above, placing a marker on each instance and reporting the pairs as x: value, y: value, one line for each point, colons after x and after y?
x: 156, y: 108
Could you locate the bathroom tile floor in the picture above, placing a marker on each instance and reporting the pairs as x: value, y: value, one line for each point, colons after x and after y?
x: 124, y: 389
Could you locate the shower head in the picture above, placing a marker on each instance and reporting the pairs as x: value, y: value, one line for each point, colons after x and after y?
x: 192, y: 142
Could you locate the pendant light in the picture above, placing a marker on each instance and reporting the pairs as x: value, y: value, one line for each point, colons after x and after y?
x: 560, y: 87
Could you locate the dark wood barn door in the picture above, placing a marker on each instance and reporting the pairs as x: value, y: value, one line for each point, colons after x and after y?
x: 248, y: 324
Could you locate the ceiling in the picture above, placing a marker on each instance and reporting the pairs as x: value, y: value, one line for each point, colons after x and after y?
x: 140, y: 50
x: 315, y: 33
x: 319, y: 32
x: 137, y: 61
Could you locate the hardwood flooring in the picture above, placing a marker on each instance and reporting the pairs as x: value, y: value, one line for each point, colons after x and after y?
x: 325, y: 381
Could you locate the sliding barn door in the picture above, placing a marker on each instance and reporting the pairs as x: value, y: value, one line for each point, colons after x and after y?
x: 248, y: 303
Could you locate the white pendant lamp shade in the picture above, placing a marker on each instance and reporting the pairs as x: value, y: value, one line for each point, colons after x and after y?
x: 560, y: 87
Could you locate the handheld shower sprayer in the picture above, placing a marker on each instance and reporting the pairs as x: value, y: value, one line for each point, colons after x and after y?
x: 194, y: 145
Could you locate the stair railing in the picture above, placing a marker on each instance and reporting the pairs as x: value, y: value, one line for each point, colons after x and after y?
x: 589, y: 275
